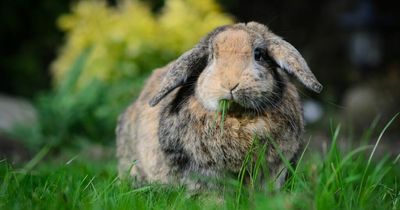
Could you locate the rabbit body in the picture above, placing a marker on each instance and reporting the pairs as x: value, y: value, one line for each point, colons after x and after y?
x: 178, y: 138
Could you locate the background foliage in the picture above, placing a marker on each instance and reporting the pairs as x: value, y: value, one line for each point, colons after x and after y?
x: 108, y: 53
x: 129, y: 39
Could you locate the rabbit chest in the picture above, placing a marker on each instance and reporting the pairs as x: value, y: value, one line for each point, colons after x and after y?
x: 191, y: 138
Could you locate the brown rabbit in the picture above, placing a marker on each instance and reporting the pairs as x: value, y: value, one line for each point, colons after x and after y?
x: 169, y: 134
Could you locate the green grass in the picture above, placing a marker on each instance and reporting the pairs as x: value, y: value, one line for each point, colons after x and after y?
x: 355, y: 179
x: 223, y: 108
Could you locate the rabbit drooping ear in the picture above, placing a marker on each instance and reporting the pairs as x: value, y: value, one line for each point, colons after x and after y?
x: 287, y: 57
x: 181, y: 69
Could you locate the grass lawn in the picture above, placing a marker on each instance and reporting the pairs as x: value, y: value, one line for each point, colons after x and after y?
x: 335, y: 180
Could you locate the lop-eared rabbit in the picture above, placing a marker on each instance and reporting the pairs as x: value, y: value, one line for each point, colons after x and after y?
x: 170, y: 135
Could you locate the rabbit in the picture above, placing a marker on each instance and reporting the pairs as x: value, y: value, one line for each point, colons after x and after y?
x: 169, y: 135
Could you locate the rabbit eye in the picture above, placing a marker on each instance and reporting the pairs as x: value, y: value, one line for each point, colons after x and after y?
x: 258, y: 54
x: 261, y: 55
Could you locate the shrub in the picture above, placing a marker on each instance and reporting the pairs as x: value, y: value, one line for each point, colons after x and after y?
x: 128, y: 40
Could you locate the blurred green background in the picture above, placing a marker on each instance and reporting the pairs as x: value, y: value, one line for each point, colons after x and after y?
x: 68, y: 68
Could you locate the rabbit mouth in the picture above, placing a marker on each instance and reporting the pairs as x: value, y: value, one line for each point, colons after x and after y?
x: 232, y: 107
x: 241, y: 106
x: 248, y: 103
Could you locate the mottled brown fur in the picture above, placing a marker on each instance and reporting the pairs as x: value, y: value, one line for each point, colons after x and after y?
x: 177, y: 138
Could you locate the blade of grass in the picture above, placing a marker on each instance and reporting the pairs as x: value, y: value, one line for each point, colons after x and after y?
x: 241, y: 176
x: 347, y: 158
x: 372, y: 154
x: 286, y: 162
x: 224, y: 106
x: 367, y: 135
x: 35, y: 160
x: 299, y: 161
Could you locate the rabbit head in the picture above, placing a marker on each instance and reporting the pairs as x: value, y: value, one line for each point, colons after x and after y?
x: 241, y: 63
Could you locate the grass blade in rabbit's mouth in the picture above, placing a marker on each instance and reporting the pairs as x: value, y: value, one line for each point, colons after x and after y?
x: 223, y: 107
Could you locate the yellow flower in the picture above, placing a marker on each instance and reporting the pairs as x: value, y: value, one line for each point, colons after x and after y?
x: 129, y: 39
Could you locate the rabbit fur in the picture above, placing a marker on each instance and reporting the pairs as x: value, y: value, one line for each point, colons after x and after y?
x: 170, y: 135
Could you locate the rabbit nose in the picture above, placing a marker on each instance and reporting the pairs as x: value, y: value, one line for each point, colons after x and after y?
x: 234, y: 87
x: 229, y: 86
x: 231, y: 91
